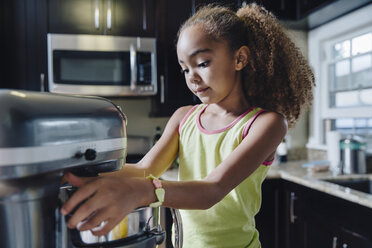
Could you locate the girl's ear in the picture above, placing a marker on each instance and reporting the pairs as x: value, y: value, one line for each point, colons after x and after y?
x: 242, y: 57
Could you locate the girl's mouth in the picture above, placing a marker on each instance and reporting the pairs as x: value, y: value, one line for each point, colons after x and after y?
x: 201, y: 90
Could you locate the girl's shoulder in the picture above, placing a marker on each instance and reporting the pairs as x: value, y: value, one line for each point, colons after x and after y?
x: 180, y: 114
x: 185, y: 110
x: 270, y: 119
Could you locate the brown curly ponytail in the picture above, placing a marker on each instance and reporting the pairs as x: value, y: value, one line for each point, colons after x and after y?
x: 278, y: 77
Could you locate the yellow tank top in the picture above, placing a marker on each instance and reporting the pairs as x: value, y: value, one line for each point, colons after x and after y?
x: 229, y: 223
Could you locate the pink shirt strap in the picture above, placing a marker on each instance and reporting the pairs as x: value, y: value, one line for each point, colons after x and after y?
x: 246, y: 130
x: 250, y: 122
x: 185, y: 118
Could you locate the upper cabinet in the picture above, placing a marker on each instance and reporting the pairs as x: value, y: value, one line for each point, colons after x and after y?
x: 24, y: 58
x: 172, y: 89
x: 111, y: 17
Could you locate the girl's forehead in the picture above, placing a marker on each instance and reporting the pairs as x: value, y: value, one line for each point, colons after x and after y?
x: 194, y: 36
x: 193, y: 33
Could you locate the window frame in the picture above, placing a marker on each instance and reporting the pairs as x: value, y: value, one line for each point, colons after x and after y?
x: 350, y: 25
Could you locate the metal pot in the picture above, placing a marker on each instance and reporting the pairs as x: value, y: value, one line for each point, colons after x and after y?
x: 140, y: 229
x: 353, y: 155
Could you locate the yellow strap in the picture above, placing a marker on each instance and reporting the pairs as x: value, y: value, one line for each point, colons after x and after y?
x: 159, y: 192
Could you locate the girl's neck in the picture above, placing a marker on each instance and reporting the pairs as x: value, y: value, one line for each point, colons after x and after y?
x: 233, y: 105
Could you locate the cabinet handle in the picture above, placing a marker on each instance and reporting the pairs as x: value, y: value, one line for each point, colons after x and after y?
x: 109, y: 15
x: 133, y: 66
x: 292, y: 216
x: 96, y: 15
x: 344, y: 246
x: 42, y: 81
x: 334, y: 242
x: 144, y: 15
x: 162, y: 97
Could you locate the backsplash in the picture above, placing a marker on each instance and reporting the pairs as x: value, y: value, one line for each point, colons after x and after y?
x: 137, y: 111
x: 313, y: 154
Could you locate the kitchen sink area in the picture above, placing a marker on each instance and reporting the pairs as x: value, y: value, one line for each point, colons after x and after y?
x: 315, y: 208
x: 361, y: 183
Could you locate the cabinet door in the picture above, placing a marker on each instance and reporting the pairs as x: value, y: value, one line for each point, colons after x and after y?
x: 172, y: 90
x: 267, y: 219
x: 233, y: 4
x: 24, y: 45
x: 329, y: 221
x: 294, y: 221
x: 76, y: 16
x: 130, y: 18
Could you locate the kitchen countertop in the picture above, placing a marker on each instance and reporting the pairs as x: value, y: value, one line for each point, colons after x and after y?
x: 294, y: 172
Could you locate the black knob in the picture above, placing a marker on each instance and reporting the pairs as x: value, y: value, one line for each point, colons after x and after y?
x: 90, y: 154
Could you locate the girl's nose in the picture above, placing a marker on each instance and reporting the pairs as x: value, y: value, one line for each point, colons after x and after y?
x: 194, y: 77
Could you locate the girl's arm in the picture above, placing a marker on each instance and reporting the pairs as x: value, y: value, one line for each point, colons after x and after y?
x: 265, y: 134
x: 161, y: 155
x: 112, y: 198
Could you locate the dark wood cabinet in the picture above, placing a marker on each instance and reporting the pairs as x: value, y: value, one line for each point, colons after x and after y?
x: 293, y: 215
x: 111, y: 17
x: 267, y: 219
x: 172, y: 89
x: 24, y: 58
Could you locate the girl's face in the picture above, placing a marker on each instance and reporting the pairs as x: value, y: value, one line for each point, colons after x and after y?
x: 209, y: 67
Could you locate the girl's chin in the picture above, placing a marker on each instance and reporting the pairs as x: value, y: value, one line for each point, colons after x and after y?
x: 206, y: 100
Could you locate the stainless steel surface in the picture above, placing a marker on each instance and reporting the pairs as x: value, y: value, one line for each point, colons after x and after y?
x: 41, y: 135
x: 101, y: 43
x: 162, y: 88
x: 144, y: 224
x: 45, y: 132
x: 42, y: 82
x: 361, y: 184
x: 96, y: 14
x: 133, y: 66
x: 334, y: 242
x: 353, y: 155
x: 177, y: 223
x: 292, y: 216
x: 27, y: 211
x: 108, y: 15
x: 137, y: 222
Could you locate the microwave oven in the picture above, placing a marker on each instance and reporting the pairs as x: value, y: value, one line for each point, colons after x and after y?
x: 101, y: 65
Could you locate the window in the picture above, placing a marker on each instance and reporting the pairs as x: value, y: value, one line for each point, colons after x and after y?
x: 340, y: 53
x: 350, y: 71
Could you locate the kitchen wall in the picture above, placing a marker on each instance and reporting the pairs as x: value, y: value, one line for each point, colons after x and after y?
x: 139, y: 122
x: 297, y: 137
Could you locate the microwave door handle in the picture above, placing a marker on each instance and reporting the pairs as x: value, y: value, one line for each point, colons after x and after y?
x: 109, y: 15
x: 133, y: 66
x: 96, y: 15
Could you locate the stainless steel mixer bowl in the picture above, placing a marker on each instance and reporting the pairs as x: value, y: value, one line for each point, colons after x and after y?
x: 141, y: 228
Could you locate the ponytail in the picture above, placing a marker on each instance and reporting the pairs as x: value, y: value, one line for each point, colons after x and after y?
x: 280, y: 79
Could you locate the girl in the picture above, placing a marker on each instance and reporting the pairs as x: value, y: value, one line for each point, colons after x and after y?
x: 252, y: 82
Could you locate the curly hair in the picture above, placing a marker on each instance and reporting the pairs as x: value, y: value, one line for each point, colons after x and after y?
x: 278, y: 77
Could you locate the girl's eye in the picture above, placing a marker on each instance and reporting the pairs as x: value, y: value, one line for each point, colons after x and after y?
x: 204, y: 64
x: 183, y: 71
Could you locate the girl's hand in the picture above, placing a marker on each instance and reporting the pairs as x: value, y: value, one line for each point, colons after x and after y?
x: 108, y: 199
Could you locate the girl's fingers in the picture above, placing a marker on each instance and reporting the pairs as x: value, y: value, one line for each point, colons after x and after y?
x: 84, y: 212
x: 80, y: 195
x: 77, y: 181
x: 93, y: 221
x: 104, y: 230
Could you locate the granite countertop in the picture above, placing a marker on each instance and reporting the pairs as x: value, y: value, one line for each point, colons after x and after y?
x: 294, y: 172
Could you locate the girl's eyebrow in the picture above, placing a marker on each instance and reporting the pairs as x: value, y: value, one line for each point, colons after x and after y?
x: 206, y: 50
